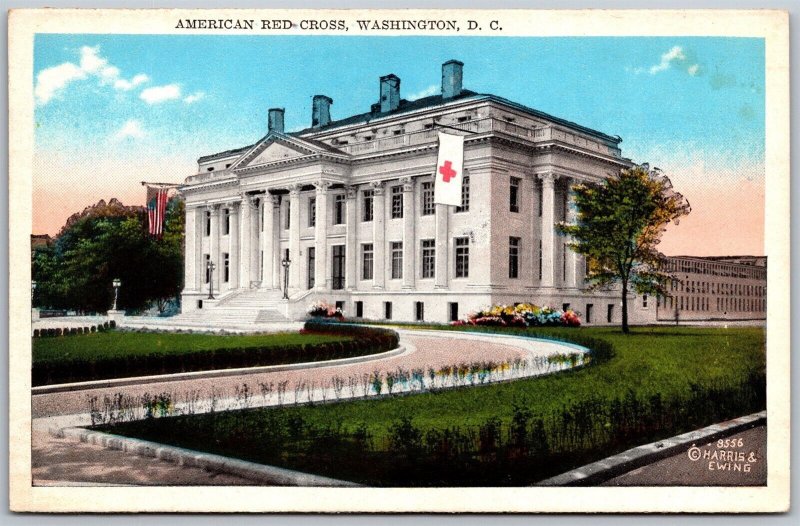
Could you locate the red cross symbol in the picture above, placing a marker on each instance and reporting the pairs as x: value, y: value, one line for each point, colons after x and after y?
x: 447, y: 171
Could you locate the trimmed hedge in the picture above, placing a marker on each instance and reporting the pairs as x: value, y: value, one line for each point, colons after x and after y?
x: 365, y: 341
x: 72, y: 331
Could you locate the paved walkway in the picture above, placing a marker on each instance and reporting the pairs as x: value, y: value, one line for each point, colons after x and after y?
x: 59, y: 461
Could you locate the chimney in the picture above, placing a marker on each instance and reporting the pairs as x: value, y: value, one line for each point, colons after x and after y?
x: 321, y: 111
x: 390, y: 93
x: 275, y: 120
x: 452, y: 76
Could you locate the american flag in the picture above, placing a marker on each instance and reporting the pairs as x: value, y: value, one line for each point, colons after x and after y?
x: 156, y: 209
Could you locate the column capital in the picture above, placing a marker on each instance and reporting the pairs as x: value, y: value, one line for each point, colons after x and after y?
x: 408, y: 184
x: 548, y: 178
x: 377, y: 187
x: 215, y: 208
x: 294, y: 190
x: 322, y: 186
x: 276, y: 200
x: 351, y: 191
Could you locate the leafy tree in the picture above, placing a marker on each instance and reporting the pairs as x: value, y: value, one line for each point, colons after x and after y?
x: 619, y: 225
x: 110, y: 241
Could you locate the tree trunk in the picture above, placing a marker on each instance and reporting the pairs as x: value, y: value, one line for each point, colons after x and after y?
x: 625, y: 328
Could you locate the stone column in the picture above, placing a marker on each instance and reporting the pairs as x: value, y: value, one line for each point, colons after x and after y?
x: 573, y: 259
x: 255, y: 227
x: 548, y: 228
x: 267, y: 242
x: 277, y: 270
x: 442, y: 247
x: 189, y: 258
x: 321, y: 274
x: 199, y: 261
x: 378, y: 235
x: 294, y: 237
x: 351, y: 250
x: 409, y: 237
x: 244, y: 243
x: 216, y: 245
x: 233, y: 247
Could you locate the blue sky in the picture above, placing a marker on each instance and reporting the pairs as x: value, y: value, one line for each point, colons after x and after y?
x: 153, y: 104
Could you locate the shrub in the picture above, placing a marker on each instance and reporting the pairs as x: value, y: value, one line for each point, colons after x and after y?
x: 521, y: 315
x: 322, y: 309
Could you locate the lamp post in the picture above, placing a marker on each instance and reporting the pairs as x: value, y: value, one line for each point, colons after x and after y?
x: 285, y: 263
x: 211, y: 266
x: 117, y: 284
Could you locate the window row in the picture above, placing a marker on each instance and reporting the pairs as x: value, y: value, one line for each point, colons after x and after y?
x: 724, y: 289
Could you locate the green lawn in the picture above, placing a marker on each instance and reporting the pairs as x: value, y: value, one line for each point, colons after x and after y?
x: 660, y: 382
x: 118, y: 354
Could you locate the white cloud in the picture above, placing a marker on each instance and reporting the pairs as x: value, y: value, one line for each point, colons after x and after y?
x: 674, y: 54
x: 693, y: 69
x: 131, y: 129
x: 50, y: 81
x: 194, y: 97
x: 127, y: 85
x: 158, y: 94
x: 433, y: 89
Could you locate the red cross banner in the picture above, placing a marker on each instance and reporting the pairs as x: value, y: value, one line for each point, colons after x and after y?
x: 447, y: 190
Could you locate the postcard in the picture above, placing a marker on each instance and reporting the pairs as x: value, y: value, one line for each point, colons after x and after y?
x: 496, y: 261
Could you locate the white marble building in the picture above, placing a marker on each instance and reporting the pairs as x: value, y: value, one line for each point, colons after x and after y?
x: 350, y: 203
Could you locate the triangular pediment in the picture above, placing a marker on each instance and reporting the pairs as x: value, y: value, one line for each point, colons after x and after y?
x: 277, y: 147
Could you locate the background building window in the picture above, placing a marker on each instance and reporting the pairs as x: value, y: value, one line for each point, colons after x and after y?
x: 312, y: 267
x: 287, y: 219
x: 359, y: 309
x: 208, y: 223
x: 397, y: 259
x: 338, y: 209
x: 428, y: 208
x: 462, y: 257
x: 366, y: 211
x: 464, y: 195
x: 226, y: 267
x: 387, y: 310
x: 226, y: 229
x: 428, y: 258
x: 513, y: 257
x: 312, y: 212
x: 206, y: 259
x: 367, y: 256
x: 540, y: 260
x: 419, y: 311
x: 397, y: 202
x: 513, y: 194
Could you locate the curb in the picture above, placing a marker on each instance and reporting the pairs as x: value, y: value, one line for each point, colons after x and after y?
x: 186, y: 457
x: 217, y: 373
x: 613, y: 466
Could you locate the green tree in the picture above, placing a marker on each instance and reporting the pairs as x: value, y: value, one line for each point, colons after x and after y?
x: 106, y: 242
x: 619, y: 225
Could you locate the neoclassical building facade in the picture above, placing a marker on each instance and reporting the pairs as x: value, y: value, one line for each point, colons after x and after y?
x: 343, y: 211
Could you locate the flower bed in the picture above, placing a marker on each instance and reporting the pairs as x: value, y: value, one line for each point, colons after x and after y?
x: 322, y: 309
x: 522, y: 315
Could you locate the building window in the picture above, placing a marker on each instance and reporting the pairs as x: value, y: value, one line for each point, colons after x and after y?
x: 453, y: 311
x: 610, y: 314
x: 312, y: 212
x: 387, y: 310
x: 564, y: 262
x: 208, y: 223
x: 339, y: 306
x: 359, y: 309
x: 428, y: 208
x: 338, y: 267
x: 226, y: 228
x: 207, y: 260
x: 226, y: 267
x: 513, y: 194
x: 462, y: 257
x: 287, y: 220
x: 397, y: 259
x: 589, y: 312
x: 428, y: 258
x: 464, y: 195
x: 419, y: 311
x: 539, y: 197
x: 367, y: 255
x: 644, y: 301
x: 366, y: 211
x: 312, y: 267
x: 540, y: 260
x: 338, y: 209
x: 397, y: 202
x: 513, y: 257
